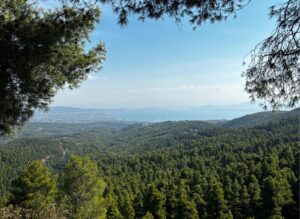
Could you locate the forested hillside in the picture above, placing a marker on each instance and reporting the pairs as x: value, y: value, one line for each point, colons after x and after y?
x: 186, y: 169
x: 261, y: 118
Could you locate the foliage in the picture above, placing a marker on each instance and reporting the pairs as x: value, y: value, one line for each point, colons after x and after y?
x: 41, y: 52
x: 34, y: 188
x: 82, y: 189
x: 186, y: 172
x: 78, y: 196
x: 148, y: 215
x: 197, y: 11
x: 273, y: 73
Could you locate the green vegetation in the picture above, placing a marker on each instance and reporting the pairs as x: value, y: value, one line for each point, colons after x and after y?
x: 34, y: 188
x: 82, y: 189
x: 50, y: 48
x: 260, y: 118
x: 160, y: 170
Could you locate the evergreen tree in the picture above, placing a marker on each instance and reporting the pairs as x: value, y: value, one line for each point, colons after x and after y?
x: 186, y: 208
x: 148, y: 215
x: 255, y: 196
x: 235, y: 198
x: 112, y: 211
x: 35, y: 187
x: 50, y: 48
x: 200, y: 204
x: 245, y: 200
x: 139, y: 205
x: 83, y: 189
x: 228, y: 188
x: 171, y: 202
x: 216, y: 204
x: 155, y: 202
x: 276, y: 194
x: 126, y: 207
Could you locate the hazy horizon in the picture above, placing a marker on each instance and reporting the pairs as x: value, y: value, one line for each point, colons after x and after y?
x: 150, y: 114
x: 241, y: 105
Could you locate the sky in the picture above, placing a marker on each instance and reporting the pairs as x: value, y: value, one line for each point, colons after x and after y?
x: 159, y: 64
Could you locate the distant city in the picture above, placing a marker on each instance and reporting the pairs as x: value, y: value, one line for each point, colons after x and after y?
x: 79, y: 115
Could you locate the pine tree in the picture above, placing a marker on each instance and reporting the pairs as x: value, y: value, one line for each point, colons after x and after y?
x: 276, y: 193
x: 35, y: 187
x: 245, y: 200
x: 228, y: 188
x: 155, y: 202
x: 50, y: 54
x: 186, y: 208
x: 171, y: 202
x: 255, y: 196
x: 216, y: 204
x: 139, y: 205
x: 112, y: 211
x: 200, y: 204
x: 235, y: 199
x: 148, y: 215
x: 126, y: 208
x: 83, y: 189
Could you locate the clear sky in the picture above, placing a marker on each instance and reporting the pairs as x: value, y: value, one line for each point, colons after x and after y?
x: 158, y: 64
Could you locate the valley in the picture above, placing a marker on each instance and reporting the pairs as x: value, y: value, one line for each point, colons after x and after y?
x: 175, y: 169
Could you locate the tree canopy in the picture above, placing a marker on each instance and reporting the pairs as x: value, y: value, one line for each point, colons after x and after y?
x: 43, y: 50
x: 34, y: 188
x: 273, y: 74
x: 83, y: 188
x: 173, y: 170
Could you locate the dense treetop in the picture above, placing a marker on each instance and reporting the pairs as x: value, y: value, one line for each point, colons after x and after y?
x: 42, y: 51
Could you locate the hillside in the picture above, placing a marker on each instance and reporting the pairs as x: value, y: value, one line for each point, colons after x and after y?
x: 261, y: 118
x: 151, y: 136
x: 179, y: 160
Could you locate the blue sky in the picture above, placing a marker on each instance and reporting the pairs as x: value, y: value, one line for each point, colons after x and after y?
x: 158, y: 64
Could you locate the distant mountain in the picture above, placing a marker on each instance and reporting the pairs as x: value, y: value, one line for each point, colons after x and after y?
x: 78, y: 115
x: 68, y: 121
x: 261, y: 118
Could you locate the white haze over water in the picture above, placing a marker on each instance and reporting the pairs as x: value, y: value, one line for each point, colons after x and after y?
x: 69, y: 114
